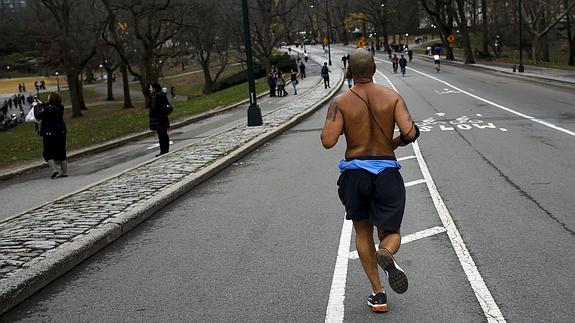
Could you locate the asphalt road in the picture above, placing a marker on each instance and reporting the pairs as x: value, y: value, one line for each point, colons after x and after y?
x: 259, y: 241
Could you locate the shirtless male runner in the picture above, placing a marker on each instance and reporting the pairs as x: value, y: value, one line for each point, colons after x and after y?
x: 370, y: 185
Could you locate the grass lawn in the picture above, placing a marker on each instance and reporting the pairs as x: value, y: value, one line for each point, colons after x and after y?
x: 109, y: 121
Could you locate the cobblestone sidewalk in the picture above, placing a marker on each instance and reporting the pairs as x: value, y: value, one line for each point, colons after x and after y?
x: 36, y: 242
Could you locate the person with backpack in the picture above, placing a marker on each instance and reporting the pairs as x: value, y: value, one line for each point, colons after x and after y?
x: 325, y: 75
x: 159, y: 109
x: 402, y: 64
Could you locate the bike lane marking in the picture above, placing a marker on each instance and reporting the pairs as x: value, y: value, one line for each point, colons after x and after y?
x: 543, y: 122
x: 482, y: 293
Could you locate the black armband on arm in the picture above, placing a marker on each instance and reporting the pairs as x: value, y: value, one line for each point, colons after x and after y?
x: 406, y: 141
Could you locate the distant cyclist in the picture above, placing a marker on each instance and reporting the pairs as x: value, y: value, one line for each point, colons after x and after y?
x: 437, y: 62
x: 402, y: 64
x: 395, y: 62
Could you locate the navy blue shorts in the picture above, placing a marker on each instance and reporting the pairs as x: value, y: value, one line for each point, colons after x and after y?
x: 379, y: 198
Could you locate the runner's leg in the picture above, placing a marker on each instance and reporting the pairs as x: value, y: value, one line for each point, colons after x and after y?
x: 390, y: 240
x: 366, y: 251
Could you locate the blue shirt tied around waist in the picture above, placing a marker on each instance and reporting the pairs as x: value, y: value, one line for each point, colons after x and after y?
x: 373, y: 165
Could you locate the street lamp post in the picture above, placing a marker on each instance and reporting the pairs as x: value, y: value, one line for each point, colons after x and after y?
x: 8, y: 68
x: 328, y: 31
x: 254, y: 112
x: 58, y: 81
x: 521, y: 68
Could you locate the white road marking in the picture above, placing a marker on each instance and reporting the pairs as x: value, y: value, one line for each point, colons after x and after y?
x: 412, y: 183
x: 335, y: 305
x: 406, y: 158
x: 483, y: 295
x: 157, y: 145
x: 408, y: 238
x: 490, y: 308
x: 543, y: 122
x: 440, y: 114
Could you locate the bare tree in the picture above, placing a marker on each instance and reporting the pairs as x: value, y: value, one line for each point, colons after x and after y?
x: 207, y: 36
x: 151, y: 26
x: 541, y: 18
x: 443, y: 14
x: 76, y: 24
x: 270, y: 21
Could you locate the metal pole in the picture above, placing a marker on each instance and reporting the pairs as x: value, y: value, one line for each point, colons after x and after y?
x: 328, y: 32
x: 521, y: 68
x: 58, y: 81
x: 254, y: 112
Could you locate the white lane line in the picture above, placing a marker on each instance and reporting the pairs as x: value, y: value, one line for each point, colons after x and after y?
x: 408, y: 238
x: 335, y: 305
x: 543, y: 122
x: 419, y: 181
x: 490, y: 308
x: 483, y: 295
x: 406, y: 158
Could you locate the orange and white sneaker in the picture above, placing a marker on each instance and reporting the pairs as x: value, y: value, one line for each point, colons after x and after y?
x: 377, y: 302
x: 395, y: 275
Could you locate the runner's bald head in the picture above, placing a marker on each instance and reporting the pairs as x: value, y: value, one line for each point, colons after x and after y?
x: 361, y: 64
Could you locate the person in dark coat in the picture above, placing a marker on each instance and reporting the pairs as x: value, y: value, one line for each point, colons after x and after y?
x: 158, y: 113
x: 53, y: 132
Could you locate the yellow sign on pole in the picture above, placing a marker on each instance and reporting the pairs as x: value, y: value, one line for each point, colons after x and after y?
x: 325, y: 40
x: 361, y: 42
x: 451, y: 38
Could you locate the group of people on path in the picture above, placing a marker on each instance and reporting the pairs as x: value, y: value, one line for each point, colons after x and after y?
x: 277, y: 82
x: 49, y: 119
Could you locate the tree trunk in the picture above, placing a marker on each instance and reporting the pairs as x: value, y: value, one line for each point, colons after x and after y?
x: 110, y: 96
x: 208, y: 82
x: 544, y: 40
x: 466, y: 41
x: 485, y: 42
x: 571, y: 51
x: 72, y: 78
x: 535, y: 48
x: 126, y: 86
x: 80, y: 91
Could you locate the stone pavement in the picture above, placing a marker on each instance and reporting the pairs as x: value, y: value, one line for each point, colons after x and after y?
x: 38, y: 246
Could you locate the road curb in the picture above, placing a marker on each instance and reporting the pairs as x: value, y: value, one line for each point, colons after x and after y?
x: 53, y: 264
x: 507, y: 73
x: 33, y: 166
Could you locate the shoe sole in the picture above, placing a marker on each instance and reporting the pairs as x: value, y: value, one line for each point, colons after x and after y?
x: 378, y: 307
x: 395, y: 275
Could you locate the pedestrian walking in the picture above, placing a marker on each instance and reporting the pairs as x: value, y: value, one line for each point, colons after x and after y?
x: 53, y: 132
x: 305, y: 57
x: 173, y: 92
x: 302, y: 70
x: 348, y: 77
x: 344, y: 61
x: 10, y: 103
x: 23, y: 87
x: 272, y: 82
x: 159, y: 109
x: 19, y: 87
x: 294, y: 81
x: 325, y: 75
x: 370, y: 185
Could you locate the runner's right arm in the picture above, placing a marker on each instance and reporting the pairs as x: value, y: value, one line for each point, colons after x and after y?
x: 333, y: 127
